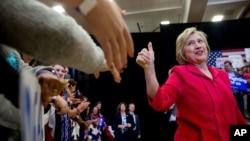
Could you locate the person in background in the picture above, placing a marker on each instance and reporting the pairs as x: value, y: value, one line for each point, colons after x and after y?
x: 168, y: 124
x: 199, y: 91
x: 238, y: 94
x: 136, y: 135
x: 247, y: 76
x: 67, y: 75
x: 99, y: 106
x: 60, y: 69
x: 123, y: 123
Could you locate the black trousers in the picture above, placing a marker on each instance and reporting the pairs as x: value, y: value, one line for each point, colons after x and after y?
x: 168, y: 131
x: 248, y: 104
x: 240, y: 101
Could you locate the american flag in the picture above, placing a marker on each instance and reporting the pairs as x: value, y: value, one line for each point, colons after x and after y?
x: 224, y: 53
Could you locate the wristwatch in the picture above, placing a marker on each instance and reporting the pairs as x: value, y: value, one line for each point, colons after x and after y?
x: 86, y: 6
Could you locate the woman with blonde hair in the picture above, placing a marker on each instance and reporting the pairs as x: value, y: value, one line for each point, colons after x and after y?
x: 202, y: 94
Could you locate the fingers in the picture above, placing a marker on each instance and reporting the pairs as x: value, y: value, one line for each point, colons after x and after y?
x: 83, y: 105
x: 56, y: 86
x: 116, y: 50
x: 129, y: 42
x: 150, y: 47
x: 123, y: 50
x: 108, y: 53
x: 122, y: 47
x: 97, y: 75
x: 143, y: 56
x: 140, y: 62
x: 116, y: 75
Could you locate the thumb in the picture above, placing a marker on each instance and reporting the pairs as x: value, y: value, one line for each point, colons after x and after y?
x: 150, y: 46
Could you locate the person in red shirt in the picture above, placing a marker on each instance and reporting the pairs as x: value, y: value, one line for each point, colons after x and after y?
x: 202, y: 94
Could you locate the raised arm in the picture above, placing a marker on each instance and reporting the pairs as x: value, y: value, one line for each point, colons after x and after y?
x: 145, y: 59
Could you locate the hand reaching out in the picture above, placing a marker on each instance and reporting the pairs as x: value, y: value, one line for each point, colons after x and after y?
x: 83, y: 105
x: 50, y: 86
x: 106, y: 23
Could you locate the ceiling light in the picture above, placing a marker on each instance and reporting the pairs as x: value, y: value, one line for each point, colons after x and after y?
x: 59, y: 9
x: 217, y: 18
x: 165, y: 22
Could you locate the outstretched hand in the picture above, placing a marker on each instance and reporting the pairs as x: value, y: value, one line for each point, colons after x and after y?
x: 50, y: 86
x: 145, y: 57
x: 83, y: 105
x: 105, y: 21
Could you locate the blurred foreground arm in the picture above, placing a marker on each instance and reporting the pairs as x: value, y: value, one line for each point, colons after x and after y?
x: 105, y: 21
x: 36, y: 29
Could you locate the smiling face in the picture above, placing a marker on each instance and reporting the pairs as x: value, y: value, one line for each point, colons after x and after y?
x: 192, y: 46
x: 60, y: 70
x: 195, y: 49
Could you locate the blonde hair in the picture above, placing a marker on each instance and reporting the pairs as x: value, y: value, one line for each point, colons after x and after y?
x: 181, y: 40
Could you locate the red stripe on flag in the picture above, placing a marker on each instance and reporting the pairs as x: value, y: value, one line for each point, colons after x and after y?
x: 226, y: 53
x: 239, y: 51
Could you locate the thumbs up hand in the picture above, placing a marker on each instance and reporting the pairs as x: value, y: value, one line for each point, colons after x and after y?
x: 145, y: 57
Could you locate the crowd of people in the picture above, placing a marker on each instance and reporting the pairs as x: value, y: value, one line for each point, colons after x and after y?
x: 242, y: 96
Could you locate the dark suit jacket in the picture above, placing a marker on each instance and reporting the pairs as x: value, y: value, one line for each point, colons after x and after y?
x: 137, y: 125
x: 118, y: 120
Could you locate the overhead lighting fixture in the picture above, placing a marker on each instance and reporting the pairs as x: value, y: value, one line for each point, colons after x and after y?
x: 217, y: 18
x: 165, y: 22
x: 59, y: 9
